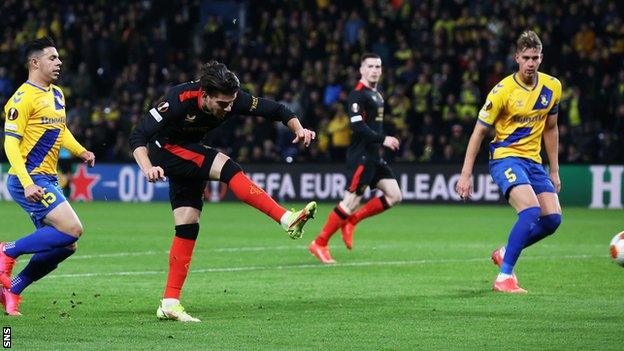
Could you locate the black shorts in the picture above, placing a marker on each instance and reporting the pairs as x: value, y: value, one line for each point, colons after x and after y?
x: 187, y: 167
x: 367, y: 174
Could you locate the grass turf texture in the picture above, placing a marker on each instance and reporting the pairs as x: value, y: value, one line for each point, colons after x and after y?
x: 419, y: 277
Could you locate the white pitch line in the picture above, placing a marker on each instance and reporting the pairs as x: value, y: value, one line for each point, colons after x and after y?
x: 223, y: 249
x: 318, y: 266
x: 117, y: 254
x: 297, y: 248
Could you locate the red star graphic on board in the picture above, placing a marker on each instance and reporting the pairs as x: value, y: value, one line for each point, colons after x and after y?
x: 81, y: 184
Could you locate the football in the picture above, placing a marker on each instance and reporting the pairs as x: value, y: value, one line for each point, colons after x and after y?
x: 617, y: 248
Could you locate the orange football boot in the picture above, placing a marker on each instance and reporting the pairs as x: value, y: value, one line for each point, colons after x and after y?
x: 321, y: 252
x: 498, y: 255
x: 11, y: 302
x: 347, y: 230
x: 6, y: 267
x: 509, y: 285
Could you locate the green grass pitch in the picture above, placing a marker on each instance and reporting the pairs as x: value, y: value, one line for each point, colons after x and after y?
x: 419, y: 277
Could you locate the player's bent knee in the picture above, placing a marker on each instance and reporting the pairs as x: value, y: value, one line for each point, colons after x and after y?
x: 394, y: 198
x: 229, y: 170
x: 551, y: 222
x: 73, y: 247
x: 74, y: 229
x: 187, y: 231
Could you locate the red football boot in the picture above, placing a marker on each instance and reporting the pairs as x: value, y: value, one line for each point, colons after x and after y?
x: 11, y: 302
x: 6, y: 267
x: 321, y: 252
x: 347, y: 230
x: 509, y: 285
x: 498, y: 255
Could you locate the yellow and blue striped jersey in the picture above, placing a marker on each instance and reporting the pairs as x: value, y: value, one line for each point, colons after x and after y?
x: 518, y: 113
x: 36, y: 117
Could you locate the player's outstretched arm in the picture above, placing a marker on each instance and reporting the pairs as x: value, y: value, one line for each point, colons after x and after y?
x: 551, y: 144
x: 246, y: 104
x: 391, y: 143
x: 302, y: 135
x: 464, y: 184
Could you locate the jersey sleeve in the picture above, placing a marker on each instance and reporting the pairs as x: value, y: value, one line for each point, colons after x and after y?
x: 167, y: 109
x: 493, y: 105
x: 12, y: 150
x: 556, y: 97
x: 17, y: 111
x: 70, y: 143
x: 356, y: 106
x: 249, y: 105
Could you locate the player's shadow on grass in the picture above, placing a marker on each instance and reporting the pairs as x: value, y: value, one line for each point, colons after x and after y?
x: 417, y: 301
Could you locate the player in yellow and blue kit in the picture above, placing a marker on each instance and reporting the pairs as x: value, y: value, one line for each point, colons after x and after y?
x: 34, y: 131
x: 522, y: 108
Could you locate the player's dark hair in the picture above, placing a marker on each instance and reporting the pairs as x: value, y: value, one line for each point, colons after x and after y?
x: 528, y: 40
x: 216, y: 78
x: 369, y: 55
x: 36, y: 46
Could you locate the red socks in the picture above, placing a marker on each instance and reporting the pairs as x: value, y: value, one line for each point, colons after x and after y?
x: 253, y: 195
x: 371, y: 208
x: 179, y: 262
x: 336, y: 219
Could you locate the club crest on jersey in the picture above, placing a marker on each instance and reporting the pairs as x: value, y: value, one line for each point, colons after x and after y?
x: 163, y: 107
x: 355, y: 107
x: 190, y: 118
x: 544, y: 99
x: 12, y: 115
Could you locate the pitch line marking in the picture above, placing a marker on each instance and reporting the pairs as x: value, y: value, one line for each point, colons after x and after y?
x: 317, y: 266
x: 224, y: 249
x: 283, y: 248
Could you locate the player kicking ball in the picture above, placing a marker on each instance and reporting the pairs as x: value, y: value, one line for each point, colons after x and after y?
x: 522, y: 108
x: 167, y: 142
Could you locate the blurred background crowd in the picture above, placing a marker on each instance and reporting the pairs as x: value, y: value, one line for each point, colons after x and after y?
x: 440, y: 57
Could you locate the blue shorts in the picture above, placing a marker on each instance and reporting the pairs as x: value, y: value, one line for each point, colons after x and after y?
x: 511, y: 171
x: 52, y: 197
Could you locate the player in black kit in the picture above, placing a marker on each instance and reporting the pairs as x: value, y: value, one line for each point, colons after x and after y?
x: 167, y: 142
x: 367, y: 167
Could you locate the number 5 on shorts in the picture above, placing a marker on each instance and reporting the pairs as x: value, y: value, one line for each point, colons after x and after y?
x: 511, y: 177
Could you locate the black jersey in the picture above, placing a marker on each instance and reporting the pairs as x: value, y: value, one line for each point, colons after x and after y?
x: 366, y: 111
x: 179, y: 118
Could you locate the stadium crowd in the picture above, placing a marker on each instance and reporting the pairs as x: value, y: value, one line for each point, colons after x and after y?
x: 440, y: 59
